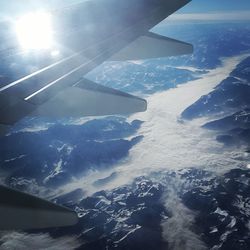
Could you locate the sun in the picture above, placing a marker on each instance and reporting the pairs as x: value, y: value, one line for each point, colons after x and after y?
x: 34, y: 31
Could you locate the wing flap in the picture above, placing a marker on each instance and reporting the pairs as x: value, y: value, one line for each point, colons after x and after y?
x: 87, y: 98
x: 152, y: 45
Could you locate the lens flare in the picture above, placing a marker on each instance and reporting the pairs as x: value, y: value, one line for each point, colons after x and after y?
x: 34, y: 31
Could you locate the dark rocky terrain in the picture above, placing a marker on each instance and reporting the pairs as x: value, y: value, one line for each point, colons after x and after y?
x: 131, y: 216
x: 52, y: 157
x: 231, y: 95
x: 229, y: 103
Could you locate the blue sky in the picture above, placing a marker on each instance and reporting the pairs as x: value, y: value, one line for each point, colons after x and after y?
x: 197, y: 6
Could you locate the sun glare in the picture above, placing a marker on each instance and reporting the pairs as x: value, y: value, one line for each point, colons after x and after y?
x: 34, y: 31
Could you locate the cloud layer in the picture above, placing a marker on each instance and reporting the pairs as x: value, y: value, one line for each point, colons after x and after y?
x: 24, y: 241
x: 170, y: 143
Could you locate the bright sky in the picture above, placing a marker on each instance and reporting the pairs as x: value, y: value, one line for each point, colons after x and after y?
x: 203, y: 6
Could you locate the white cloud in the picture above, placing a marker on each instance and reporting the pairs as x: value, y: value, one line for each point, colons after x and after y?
x: 177, y: 230
x: 24, y: 241
x: 167, y: 143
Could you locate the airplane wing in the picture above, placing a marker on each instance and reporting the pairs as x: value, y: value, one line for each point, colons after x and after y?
x: 23, y: 211
x: 88, y: 34
x: 58, y: 90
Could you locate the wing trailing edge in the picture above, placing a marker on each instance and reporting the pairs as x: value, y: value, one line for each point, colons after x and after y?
x: 152, y: 45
